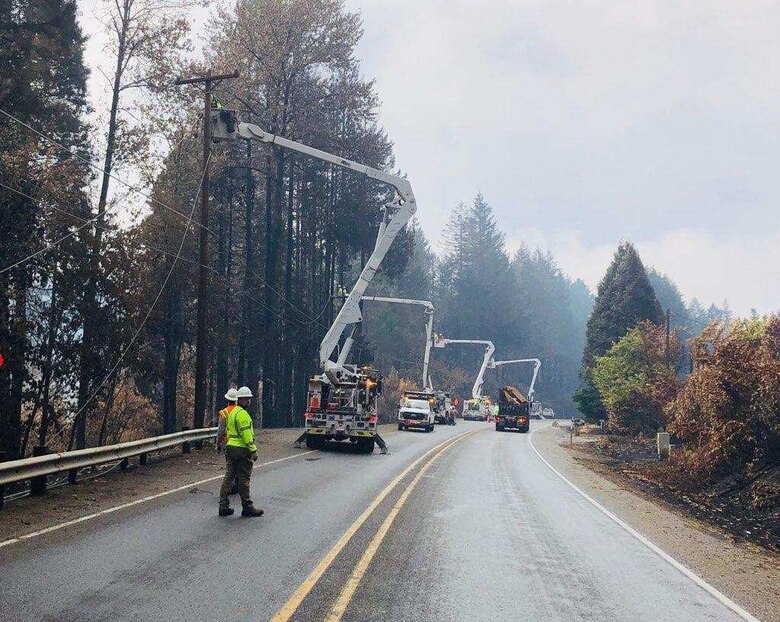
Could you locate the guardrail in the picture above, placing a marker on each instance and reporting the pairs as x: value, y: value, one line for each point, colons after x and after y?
x: 38, y: 467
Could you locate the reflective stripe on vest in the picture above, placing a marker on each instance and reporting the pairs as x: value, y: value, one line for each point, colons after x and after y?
x: 231, y: 426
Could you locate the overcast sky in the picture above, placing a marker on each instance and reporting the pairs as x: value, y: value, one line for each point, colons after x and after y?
x: 588, y: 123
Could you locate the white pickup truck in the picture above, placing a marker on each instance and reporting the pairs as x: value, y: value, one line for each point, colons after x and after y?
x: 415, y: 412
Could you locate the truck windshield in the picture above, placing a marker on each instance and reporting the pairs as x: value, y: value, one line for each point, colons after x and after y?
x: 419, y: 404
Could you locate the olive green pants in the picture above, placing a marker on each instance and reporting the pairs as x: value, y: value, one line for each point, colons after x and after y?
x: 238, y: 467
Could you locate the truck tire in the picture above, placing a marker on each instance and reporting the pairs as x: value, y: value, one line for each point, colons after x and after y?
x: 499, y: 428
x: 366, y: 445
x: 400, y: 426
x: 523, y: 430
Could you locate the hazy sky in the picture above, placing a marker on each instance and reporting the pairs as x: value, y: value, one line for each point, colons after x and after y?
x: 588, y: 123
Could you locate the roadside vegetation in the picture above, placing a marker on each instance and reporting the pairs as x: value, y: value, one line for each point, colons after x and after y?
x: 715, y: 389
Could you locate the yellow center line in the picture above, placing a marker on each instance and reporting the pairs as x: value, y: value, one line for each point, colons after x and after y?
x: 291, y: 606
x: 352, y: 584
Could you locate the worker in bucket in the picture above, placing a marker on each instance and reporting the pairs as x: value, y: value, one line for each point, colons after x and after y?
x: 240, y: 454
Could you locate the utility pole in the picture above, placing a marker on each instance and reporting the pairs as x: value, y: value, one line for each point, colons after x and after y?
x: 201, y: 339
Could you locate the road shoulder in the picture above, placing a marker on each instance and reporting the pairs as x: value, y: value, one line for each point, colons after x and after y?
x: 747, y: 573
x: 163, y: 472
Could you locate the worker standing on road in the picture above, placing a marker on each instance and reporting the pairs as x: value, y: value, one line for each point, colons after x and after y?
x: 240, y: 453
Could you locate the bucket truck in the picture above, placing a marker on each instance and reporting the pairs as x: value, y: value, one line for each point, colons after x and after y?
x: 426, y: 379
x: 342, y: 400
x: 514, y: 409
x: 478, y: 407
x: 537, y: 364
x: 419, y: 409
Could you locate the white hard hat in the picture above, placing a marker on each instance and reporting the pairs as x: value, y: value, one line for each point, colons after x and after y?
x: 244, y: 392
x: 231, y: 395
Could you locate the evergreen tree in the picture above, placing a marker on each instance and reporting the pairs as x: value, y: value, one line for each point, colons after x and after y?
x: 669, y: 297
x: 42, y: 83
x: 624, y: 298
x: 548, y: 315
x: 475, y: 283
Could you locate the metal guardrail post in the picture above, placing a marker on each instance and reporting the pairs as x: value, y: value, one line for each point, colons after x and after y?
x: 185, y: 446
x: 38, y: 484
x: 124, y: 464
x: 142, y: 459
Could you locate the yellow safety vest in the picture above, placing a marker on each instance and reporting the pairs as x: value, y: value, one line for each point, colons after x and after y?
x: 240, y: 430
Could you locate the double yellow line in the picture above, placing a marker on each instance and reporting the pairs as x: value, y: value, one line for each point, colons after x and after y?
x: 348, y: 591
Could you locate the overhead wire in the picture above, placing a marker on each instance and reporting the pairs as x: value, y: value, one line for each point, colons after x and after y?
x: 50, y: 245
x: 154, y: 304
x: 98, y: 168
x: 126, y: 184
x: 310, y: 320
x: 302, y: 323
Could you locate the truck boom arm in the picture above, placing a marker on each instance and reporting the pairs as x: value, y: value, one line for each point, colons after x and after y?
x: 225, y: 126
x: 426, y: 379
x: 537, y: 364
x: 476, y: 391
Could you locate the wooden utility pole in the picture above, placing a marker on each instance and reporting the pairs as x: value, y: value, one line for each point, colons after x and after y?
x: 201, y: 339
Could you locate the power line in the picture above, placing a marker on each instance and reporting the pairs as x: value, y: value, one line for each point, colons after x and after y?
x: 301, y: 323
x: 97, y: 167
x: 52, y: 244
x: 153, y: 305
x: 145, y: 195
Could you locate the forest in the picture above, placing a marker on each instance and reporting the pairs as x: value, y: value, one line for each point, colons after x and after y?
x: 100, y: 260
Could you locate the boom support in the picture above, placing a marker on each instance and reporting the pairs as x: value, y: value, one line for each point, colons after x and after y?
x: 476, y: 391
x: 426, y: 379
x: 395, y: 214
x: 537, y: 364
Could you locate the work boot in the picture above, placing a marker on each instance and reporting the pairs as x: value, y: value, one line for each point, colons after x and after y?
x: 226, y: 511
x: 251, y: 511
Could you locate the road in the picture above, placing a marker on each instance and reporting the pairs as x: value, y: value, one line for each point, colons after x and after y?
x: 479, y: 528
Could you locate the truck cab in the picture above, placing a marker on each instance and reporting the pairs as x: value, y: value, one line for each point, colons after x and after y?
x: 475, y: 410
x: 442, y: 409
x: 415, y: 411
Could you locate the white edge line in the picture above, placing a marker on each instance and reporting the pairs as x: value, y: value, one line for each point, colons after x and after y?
x: 135, y: 502
x: 725, y: 600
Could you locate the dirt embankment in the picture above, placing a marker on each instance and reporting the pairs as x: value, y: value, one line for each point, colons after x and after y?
x: 746, y: 507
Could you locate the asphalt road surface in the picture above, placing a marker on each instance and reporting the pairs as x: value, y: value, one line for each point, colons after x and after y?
x: 462, y: 524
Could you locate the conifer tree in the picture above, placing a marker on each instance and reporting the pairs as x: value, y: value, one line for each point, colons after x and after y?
x: 624, y: 298
x: 43, y: 84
